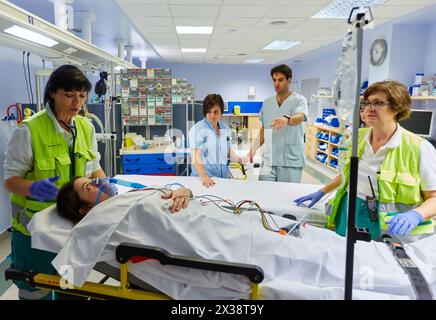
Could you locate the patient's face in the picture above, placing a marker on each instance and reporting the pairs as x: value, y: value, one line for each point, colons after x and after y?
x: 87, y: 191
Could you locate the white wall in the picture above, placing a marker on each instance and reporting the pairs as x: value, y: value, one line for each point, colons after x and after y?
x: 430, y: 58
x: 408, y: 50
x: 13, y: 90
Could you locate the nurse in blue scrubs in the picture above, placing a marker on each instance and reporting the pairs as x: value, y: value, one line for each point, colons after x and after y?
x: 210, y: 143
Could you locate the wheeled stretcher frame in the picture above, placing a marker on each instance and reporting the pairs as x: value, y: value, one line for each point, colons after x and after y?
x: 133, y: 253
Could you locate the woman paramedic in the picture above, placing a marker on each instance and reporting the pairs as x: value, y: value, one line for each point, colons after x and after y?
x: 45, y: 152
x: 400, y: 165
x: 210, y: 143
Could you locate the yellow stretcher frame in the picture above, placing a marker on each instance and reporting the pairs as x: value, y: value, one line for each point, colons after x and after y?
x: 235, y: 165
x: 124, y: 253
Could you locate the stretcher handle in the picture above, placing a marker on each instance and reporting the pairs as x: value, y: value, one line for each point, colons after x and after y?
x: 125, y: 251
x: 19, y: 275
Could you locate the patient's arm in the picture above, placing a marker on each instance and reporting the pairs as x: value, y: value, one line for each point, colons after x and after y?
x: 180, y: 197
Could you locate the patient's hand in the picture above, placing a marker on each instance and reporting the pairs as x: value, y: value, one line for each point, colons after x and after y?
x: 180, y: 198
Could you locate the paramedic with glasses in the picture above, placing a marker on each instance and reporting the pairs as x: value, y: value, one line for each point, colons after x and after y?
x: 401, y: 166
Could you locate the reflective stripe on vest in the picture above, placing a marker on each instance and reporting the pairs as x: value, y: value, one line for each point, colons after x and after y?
x: 398, y: 181
x: 52, y: 157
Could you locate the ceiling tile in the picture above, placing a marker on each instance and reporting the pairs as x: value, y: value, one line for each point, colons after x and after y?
x: 231, y: 30
x: 266, y: 22
x: 321, y: 23
x: 237, y: 22
x: 145, y: 10
x: 194, y: 11
x: 249, y: 2
x: 190, y: 21
x: 158, y: 29
x: 152, y: 21
x: 292, y: 12
x: 194, y: 2
x: 189, y: 43
x: 168, y: 36
x: 320, y: 3
x: 243, y: 11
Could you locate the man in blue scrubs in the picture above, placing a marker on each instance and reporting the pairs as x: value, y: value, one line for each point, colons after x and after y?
x: 282, y: 130
x: 210, y: 143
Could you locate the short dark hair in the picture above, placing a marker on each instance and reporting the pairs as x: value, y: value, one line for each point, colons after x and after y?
x: 212, y: 100
x: 67, y: 77
x: 68, y: 202
x: 283, y: 69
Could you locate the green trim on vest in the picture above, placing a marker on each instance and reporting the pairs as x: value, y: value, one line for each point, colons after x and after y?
x: 398, y: 181
x: 52, y: 156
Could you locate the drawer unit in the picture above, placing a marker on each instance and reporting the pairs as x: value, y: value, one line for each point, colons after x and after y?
x: 148, y: 168
x: 151, y: 164
x: 148, y: 158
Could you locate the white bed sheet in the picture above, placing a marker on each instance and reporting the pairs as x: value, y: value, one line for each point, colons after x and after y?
x: 307, y: 268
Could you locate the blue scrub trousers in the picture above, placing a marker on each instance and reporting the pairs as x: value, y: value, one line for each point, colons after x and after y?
x: 281, y: 174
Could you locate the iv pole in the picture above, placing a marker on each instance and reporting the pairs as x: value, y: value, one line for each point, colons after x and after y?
x: 354, y: 234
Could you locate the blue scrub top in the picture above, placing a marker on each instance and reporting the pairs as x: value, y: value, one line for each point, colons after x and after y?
x: 214, y: 149
x: 283, y: 147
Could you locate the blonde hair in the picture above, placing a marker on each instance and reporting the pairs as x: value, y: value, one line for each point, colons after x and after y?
x: 398, y: 97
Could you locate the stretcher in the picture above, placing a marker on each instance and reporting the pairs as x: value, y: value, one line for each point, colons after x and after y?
x: 311, y: 267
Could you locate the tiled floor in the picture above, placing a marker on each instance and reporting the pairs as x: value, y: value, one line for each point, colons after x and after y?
x: 10, y: 292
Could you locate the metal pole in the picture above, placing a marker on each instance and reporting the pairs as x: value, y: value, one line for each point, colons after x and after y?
x: 113, y: 102
x: 354, y: 165
x: 38, y: 92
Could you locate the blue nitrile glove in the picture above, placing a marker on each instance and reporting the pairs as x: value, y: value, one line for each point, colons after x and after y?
x: 106, y: 186
x: 404, y: 223
x: 314, y: 197
x: 44, y: 189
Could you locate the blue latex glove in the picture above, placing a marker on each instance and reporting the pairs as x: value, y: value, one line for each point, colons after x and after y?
x: 404, y: 223
x: 106, y: 186
x: 314, y: 197
x: 44, y: 189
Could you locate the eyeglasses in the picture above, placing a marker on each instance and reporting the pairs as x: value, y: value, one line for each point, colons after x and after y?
x: 376, y: 104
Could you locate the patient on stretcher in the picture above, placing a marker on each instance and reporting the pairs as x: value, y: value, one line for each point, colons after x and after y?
x: 308, y: 268
x: 77, y: 197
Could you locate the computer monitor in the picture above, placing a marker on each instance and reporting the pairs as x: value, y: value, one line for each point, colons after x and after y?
x: 419, y: 122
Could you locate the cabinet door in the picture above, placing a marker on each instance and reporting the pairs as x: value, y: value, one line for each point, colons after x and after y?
x: 164, y: 158
x: 148, y: 169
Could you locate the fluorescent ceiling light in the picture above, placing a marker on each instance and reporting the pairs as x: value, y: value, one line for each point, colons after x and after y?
x: 342, y: 8
x: 281, y: 45
x: 253, y: 60
x: 193, y: 30
x: 31, y: 36
x: 194, y: 50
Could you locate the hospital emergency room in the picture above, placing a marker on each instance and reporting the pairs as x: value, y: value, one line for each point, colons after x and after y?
x: 218, y: 150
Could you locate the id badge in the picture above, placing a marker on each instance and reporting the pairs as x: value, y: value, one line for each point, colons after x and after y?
x: 88, y: 169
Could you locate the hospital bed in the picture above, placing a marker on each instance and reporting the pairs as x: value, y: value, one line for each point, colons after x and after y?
x: 284, y: 278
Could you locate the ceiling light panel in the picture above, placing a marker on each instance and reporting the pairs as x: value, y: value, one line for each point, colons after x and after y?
x: 342, y: 8
x: 32, y: 36
x: 281, y: 45
x: 194, y: 50
x: 253, y: 60
x: 194, y: 30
